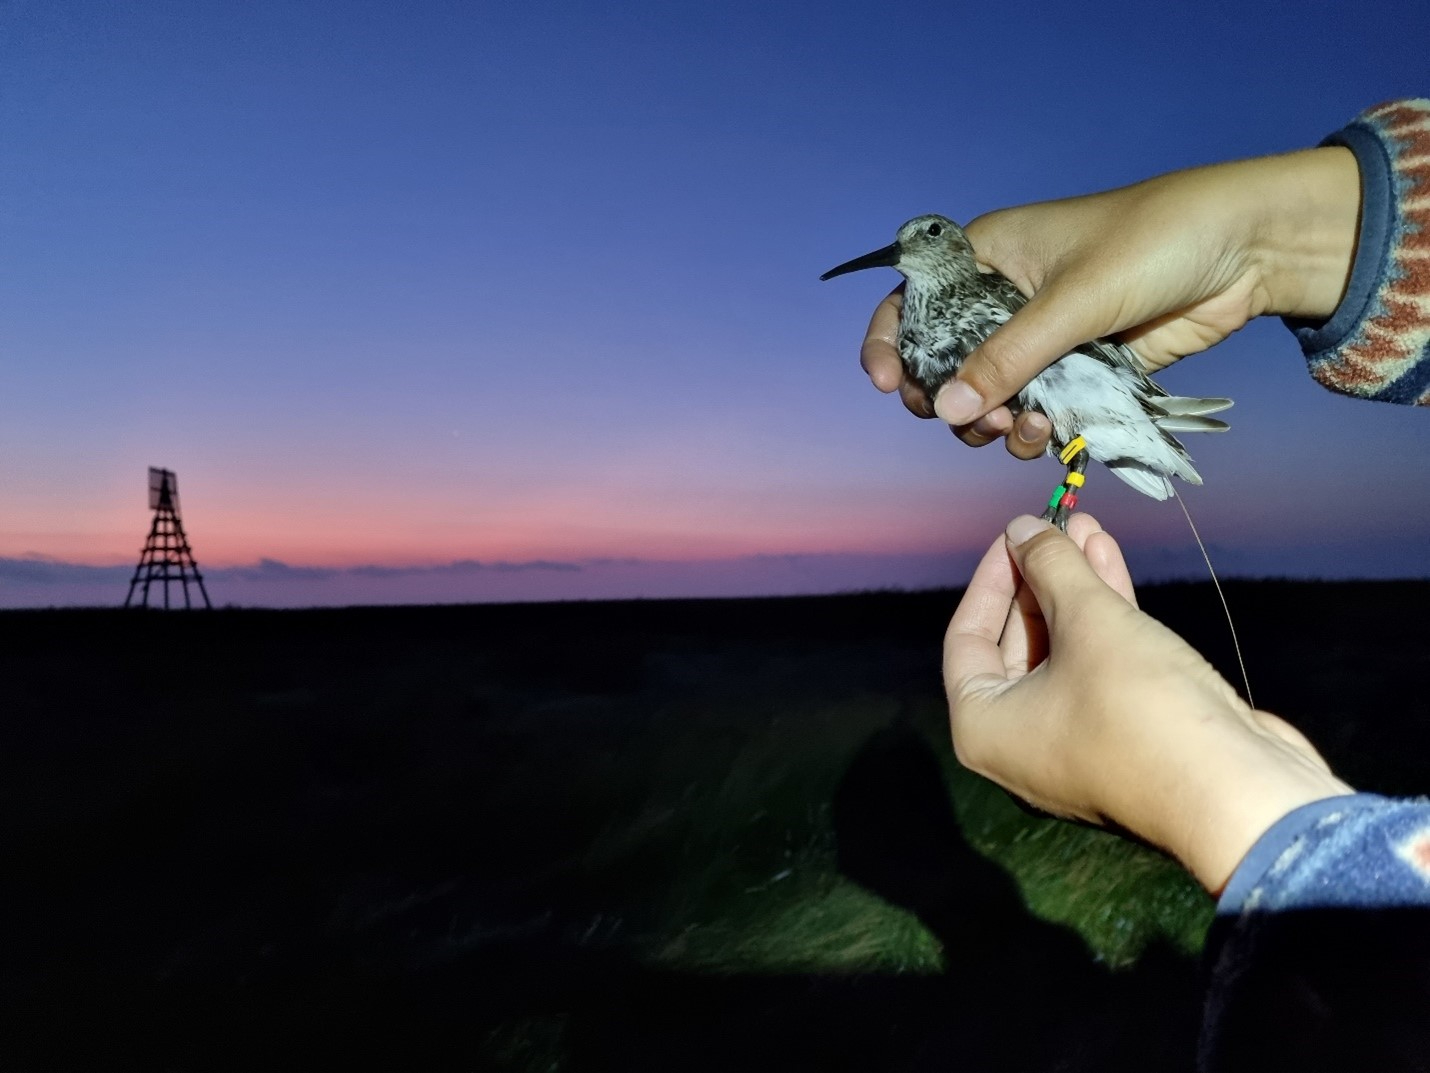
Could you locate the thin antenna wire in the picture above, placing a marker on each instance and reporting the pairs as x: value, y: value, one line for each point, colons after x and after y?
x: 1246, y: 681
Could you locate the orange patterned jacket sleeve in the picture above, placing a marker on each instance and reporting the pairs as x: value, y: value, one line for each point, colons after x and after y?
x: 1377, y: 343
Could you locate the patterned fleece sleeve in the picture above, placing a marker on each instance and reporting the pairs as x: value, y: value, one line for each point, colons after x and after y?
x: 1377, y: 343
x: 1319, y: 955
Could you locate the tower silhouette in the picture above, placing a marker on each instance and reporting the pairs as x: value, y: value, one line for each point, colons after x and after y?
x: 166, y: 556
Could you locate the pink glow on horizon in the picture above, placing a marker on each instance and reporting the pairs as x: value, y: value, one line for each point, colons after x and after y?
x: 711, y: 518
x: 610, y: 522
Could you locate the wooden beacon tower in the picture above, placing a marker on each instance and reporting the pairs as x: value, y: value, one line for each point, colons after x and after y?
x: 167, y: 556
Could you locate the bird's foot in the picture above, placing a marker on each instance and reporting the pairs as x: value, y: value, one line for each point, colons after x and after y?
x: 1057, y: 513
x: 1060, y: 506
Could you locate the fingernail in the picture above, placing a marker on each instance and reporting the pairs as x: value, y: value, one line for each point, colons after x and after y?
x: 1025, y: 527
x: 1033, y: 428
x: 957, y: 403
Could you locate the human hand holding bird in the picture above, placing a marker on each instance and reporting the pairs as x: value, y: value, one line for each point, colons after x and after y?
x: 1097, y: 398
x: 1169, y: 266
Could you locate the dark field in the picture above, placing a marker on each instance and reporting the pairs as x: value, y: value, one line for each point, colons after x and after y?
x: 653, y: 835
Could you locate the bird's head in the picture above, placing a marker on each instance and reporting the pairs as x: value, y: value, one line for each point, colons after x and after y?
x: 927, y: 247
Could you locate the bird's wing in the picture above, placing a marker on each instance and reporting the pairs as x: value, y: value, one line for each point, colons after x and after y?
x: 1169, y: 413
x: 1119, y: 356
x: 980, y: 315
x: 1001, y: 290
x: 1107, y: 351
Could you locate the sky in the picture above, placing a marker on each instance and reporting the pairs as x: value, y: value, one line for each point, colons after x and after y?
x: 431, y: 302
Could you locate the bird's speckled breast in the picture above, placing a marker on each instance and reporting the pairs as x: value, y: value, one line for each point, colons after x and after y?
x: 936, y: 332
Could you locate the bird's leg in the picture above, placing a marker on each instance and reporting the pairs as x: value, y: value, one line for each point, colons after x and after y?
x: 1060, y: 506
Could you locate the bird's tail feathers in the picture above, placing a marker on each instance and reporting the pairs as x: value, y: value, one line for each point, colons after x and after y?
x: 1181, y: 406
x: 1176, y: 413
x: 1181, y: 414
x: 1189, y: 423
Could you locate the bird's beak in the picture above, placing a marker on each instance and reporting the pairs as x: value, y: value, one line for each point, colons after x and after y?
x: 888, y: 257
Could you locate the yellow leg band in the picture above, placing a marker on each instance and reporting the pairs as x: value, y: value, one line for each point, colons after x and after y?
x: 1074, y: 480
x: 1071, y: 450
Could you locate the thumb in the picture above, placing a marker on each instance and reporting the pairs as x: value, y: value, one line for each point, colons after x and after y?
x: 1054, y: 567
x: 1030, y: 340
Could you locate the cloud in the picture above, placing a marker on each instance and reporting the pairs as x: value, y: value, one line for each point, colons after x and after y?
x: 273, y: 570
x: 35, y: 582
x: 460, y: 567
x: 34, y: 569
x: 38, y: 581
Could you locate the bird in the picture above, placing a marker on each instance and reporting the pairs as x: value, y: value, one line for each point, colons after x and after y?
x: 1098, y: 397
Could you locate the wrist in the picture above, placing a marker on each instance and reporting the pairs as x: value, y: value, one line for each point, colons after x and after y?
x: 1258, y: 778
x: 1307, y: 221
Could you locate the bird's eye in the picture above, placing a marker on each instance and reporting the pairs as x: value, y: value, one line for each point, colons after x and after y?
x: 934, y: 231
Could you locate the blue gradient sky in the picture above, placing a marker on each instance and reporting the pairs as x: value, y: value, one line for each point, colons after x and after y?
x: 535, y: 287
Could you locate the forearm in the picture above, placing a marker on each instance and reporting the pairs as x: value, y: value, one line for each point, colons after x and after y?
x: 1284, y: 224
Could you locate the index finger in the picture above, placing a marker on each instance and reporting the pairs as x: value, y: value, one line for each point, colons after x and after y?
x: 1103, y: 553
x: 970, y: 648
x: 879, y: 355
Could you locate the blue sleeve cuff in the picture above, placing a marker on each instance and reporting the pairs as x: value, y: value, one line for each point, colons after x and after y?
x: 1318, y: 953
x: 1353, y: 850
x: 1321, y: 341
x: 1376, y: 345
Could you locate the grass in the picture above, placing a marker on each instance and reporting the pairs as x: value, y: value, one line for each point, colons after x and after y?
x: 1120, y: 897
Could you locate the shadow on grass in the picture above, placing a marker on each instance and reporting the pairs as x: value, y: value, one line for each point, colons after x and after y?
x: 1017, y: 992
